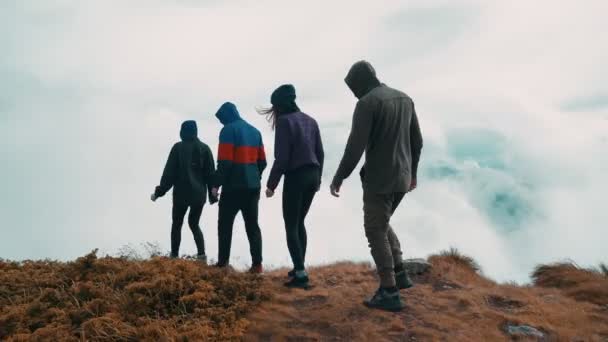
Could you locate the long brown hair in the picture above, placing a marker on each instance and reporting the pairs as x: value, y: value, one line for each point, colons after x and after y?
x: 273, y: 113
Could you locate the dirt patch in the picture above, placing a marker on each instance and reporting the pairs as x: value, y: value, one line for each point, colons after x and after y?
x: 504, y: 304
x: 445, y: 285
x: 310, y: 301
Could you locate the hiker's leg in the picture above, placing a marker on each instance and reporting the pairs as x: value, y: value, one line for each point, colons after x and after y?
x: 392, y: 237
x: 178, y: 213
x: 314, y: 180
x: 228, y: 208
x: 306, y: 203
x: 292, y: 205
x: 193, y: 221
x: 377, y: 213
x: 249, y: 208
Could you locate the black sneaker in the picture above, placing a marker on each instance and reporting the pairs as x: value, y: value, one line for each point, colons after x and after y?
x: 403, y: 280
x: 385, y: 300
x: 300, y: 280
x: 291, y: 273
x: 202, y: 258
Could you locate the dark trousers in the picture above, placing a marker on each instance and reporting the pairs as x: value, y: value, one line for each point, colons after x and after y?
x: 179, y: 211
x: 383, y: 242
x: 299, y: 190
x: 245, y: 201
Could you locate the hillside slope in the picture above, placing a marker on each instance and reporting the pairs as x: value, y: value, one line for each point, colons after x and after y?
x: 450, y: 303
x: 117, y: 299
x: 159, y: 299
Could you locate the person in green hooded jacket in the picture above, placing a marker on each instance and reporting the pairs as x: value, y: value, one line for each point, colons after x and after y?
x: 189, y: 170
x: 385, y: 127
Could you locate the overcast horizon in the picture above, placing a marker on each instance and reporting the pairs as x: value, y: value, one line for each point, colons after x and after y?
x: 512, y: 99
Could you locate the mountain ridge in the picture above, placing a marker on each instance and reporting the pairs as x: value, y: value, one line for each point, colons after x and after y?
x: 121, y: 299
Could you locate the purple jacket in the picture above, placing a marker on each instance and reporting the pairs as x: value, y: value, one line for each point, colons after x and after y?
x: 297, y: 143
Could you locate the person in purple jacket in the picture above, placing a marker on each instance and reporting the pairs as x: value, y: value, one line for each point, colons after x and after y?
x: 299, y: 156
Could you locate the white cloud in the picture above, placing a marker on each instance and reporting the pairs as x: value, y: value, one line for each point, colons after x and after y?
x: 93, y: 94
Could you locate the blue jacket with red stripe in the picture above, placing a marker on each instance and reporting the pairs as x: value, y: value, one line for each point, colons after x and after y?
x: 241, y: 157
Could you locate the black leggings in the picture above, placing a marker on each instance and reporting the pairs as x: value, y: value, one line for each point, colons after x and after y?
x: 179, y: 211
x: 299, y: 190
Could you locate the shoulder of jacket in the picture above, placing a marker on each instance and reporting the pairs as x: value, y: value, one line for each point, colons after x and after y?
x: 203, y: 145
x: 399, y: 93
x: 307, y: 116
x: 391, y: 94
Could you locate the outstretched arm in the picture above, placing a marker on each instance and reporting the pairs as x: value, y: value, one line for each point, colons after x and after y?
x: 225, y: 157
x: 209, y: 171
x: 319, y: 151
x: 357, y: 142
x: 261, y: 157
x: 169, y: 173
x: 415, y: 142
x: 282, y: 150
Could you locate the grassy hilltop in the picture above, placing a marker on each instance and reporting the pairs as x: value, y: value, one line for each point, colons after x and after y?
x: 160, y: 299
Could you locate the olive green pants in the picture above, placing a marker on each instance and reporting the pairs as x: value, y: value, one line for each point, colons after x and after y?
x: 383, y: 242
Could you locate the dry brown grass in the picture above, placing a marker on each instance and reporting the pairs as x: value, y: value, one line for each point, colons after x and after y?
x: 575, y: 282
x: 115, y: 299
x: 454, y: 302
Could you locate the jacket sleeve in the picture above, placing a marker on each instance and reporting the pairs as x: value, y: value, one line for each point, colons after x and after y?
x: 282, y: 150
x: 169, y: 173
x: 225, y: 157
x: 209, y: 169
x: 261, y: 157
x: 357, y: 142
x: 319, y: 151
x: 415, y: 142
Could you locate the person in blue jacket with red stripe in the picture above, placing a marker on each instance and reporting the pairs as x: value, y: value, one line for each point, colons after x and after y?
x: 241, y: 161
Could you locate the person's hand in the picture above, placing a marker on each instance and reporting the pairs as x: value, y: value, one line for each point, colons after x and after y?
x: 153, y: 197
x: 269, y: 193
x: 413, y: 184
x: 335, y: 190
x: 215, y: 192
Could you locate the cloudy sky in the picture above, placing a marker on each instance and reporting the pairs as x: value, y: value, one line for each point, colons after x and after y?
x: 512, y: 98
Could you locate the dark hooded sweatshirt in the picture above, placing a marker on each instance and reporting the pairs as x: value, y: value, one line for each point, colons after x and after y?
x: 385, y: 127
x: 297, y: 144
x: 189, y: 169
x: 241, y: 157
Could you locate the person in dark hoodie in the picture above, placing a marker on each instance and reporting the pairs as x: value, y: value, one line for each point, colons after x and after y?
x: 189, y: 171
x: 299, y: 157
x: 240, y: 162
x: 385, y: 127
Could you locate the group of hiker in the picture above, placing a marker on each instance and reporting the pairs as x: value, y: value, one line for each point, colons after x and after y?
x: 385, y: 127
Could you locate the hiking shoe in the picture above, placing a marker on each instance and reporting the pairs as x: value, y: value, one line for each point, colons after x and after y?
x: 403, y: 280
x: 220, y: 265
x: 299, y: 280
x: 291, y: 273
x: 202, y: 258
x: 256, y: 269
x: 385, y: 300
x: 174, y: 256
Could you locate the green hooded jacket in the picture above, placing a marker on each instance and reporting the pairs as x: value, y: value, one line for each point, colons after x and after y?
x: 384, y: 126
x: 189, y: 170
